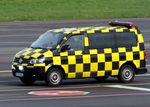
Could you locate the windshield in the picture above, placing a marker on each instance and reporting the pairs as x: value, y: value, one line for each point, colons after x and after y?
x: 47, y: 40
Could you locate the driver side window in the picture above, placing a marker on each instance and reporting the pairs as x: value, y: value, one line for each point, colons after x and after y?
x: 75, y: 42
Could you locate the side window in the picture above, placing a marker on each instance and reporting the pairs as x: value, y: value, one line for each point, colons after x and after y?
x: 126, y: 39
x: 101, y: 40
x: 76, y: 42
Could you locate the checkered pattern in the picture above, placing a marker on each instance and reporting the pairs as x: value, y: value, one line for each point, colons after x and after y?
x: 90, y: 63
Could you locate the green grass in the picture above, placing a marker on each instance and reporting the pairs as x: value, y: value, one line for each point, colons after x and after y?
x: 21, y: 10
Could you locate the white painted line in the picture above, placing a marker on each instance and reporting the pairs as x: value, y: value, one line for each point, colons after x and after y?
x: 142, y: 75
x: 5, y: 71
x: 148, y: 65
x: 129, y: 87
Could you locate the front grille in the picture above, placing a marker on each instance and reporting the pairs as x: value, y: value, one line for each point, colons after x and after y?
x: 23, y: 60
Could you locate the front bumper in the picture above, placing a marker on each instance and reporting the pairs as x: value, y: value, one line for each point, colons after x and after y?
x: 33, y: 72
x: 141, y: 70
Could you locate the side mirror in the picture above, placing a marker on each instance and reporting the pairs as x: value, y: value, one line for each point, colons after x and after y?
x: 65, y: 47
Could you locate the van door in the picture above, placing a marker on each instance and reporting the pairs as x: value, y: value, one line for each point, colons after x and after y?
x: 72, y: 59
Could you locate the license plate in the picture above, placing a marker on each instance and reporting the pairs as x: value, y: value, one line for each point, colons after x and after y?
x: 18, y: 74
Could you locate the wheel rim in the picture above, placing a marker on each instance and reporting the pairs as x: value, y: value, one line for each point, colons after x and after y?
x: 55, y: 77
x: 127, y: 74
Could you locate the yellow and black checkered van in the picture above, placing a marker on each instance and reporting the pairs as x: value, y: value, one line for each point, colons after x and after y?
x: 86, y: 52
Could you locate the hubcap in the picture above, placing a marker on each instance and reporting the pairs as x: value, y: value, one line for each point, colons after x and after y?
x: 127, y: 74
x: 55, y: 77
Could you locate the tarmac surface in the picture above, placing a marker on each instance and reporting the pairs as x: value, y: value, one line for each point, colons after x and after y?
x: 15, y: 36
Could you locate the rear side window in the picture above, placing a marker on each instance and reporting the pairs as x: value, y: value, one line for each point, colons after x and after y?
x: 126, y: 39
x: 101, y: 40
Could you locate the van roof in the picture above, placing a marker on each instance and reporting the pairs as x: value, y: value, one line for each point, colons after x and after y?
x: 91, y: 29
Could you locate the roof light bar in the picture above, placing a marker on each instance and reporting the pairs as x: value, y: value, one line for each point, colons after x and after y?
x: 125, y: 24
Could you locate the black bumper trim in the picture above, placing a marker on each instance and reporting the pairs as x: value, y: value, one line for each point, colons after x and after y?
x: 141, y: 71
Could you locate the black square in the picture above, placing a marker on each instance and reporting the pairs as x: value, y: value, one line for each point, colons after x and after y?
x: 136, y: 55
x: 94, y: 58
x: 107, y: 73
x: 79, y: 75
x: 86, y: 67
x: 115, y: 50
x: 142, y: 63
x: 122, y: 56
x: 64, y: 60
x: 70, y: 52
x: 141, y: 46
x: 115, y: 65
x: 100, y: 50
x: 129, y: 49
x: 101, y: 66
x: 72, y: 68
x: 108, y: 57
x: 93, y: 74
x: 79, y: 59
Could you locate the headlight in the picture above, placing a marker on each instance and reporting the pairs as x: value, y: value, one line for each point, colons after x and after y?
x: 35, y: 61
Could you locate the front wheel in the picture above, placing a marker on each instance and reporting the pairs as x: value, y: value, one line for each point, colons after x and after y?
x: 126, y: 74
x: 54, y: 77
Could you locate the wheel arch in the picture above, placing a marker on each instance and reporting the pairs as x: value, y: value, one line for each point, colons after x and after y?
x: 129, y: 63
x: 60, y: 68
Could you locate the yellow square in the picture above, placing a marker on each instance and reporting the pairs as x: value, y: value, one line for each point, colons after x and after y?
x: 90, y: 31
x: 101, y: 73
x: 56, y: 60
x: 36, y: 55
x: 141, y: 55
x: 105, y: 30
x: 119, y: 30
x: 48, y: 54
x: 86, y: 74
x: 129, y: 56
x: 86, y: 59
x: 64, y: 54
x: 114, y: 72
x: 140, y: 38
x: 71, y: 60
x: 37, y: 50
x: 93, y: 66
x: 65, y: 67
x: 26, y: 53
x: 120, y: 63
x: 79, y: 67
x: 78, y: 52
x: 101, y: 58
x: 122, y: 49
x: 108, y: 50
x: 137, y: 63
x: 108, y: 66
x: 93, y: 51
x: 135, y: 49
x: 71, y: 75
x: 115, y: 56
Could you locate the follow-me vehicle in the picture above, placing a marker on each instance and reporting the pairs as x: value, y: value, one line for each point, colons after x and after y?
x: 87, y: 52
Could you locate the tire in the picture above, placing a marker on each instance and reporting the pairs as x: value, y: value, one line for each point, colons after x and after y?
x: 54, y: 77
x: 126, y: 74
x: 28, y: 81
x: 101, y: 79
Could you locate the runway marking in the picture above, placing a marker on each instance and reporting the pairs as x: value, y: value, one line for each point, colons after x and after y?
x: 58, y: 93
x: 72, y: 97
x: 129, y: 87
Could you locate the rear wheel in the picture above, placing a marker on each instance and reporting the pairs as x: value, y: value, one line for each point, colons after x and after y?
x: 101, y: 79
x: 28, y: 80
x: 126, y: 74
x: 54, y: 77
